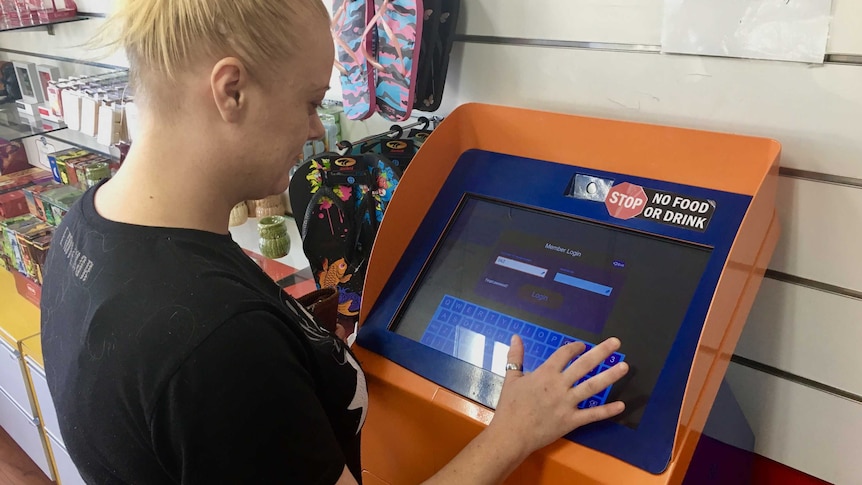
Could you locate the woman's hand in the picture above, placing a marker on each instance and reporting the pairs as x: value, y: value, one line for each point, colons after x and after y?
x: 538, y: 408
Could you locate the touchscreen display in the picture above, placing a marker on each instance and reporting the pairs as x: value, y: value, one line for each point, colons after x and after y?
x: 501, y: 269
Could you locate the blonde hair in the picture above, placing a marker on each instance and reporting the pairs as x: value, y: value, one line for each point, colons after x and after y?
x: 160, y: 37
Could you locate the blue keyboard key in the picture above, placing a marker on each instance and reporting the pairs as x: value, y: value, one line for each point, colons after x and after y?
x: 458, y: 306
x: 527, y: 330
x: 530, y: 363
x: 603, y: 396
x: 504, y: 321
x: 527, y: 346
x: 501, y: 335
x: 439, y: 343
x: 469, y: 310
x: 481, y: 313
x: 446, y: 330
x: 477, y: 326
x: 433, y: 327
x: 455, y: 319
x: 541, y: 335
x: 550, y: 351
x: 592, y: 402
x: 566, y: 341
x: 444, y: 316
x: 515, y: 326
x: 554, y: 339
x: 538, y: 350
x: 492, y: 318
x: 613, y: 359
x: 427, y: 339
x: 447, y: 302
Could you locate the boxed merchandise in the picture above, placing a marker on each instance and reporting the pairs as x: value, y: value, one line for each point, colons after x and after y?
x: 80, y: 167
x: 12, y: 200
x: 32, y: 173
x: 28, y: 288
x: 27, y: 225
x: 62, y: 155
x: 13, y: 158
x: 32, y: 242
x: 57, y: 202
x: 33, y: 196
x: 62, y: 162
x: 12, y: 203
x: 75, y: 168
x: 7, y: 255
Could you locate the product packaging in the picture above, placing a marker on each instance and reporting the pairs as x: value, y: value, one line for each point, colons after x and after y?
x: 57, y: 203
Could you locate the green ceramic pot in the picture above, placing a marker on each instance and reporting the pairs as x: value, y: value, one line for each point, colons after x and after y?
x: 274, y: 241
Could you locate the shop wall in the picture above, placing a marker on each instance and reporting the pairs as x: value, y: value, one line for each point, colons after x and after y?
x: 796, y: 369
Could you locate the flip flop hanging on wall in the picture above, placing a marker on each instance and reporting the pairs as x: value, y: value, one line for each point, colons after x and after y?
x: 349, y: 31
x: 398, y: 24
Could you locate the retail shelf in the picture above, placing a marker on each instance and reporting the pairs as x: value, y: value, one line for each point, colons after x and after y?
x: 81, y: 140
x: 15, y: 126
x: 49, y: 26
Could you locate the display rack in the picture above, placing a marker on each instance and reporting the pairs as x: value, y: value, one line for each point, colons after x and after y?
x: 14, y: 127
x: 78, y: 139
x: 48, y: 26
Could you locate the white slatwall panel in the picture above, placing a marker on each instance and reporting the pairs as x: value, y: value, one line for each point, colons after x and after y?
x: 806, y: 332
x: 821, y: 232
x: 811, y: 431
x: 69, y: 41
x: 619, y: 21
x: 816, y: 113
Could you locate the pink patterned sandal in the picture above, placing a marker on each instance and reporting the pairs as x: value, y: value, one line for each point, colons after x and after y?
x: 399, y: 32
x: 349, y: 31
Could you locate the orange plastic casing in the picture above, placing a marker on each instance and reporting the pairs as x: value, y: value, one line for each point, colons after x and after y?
x: 414, y: 427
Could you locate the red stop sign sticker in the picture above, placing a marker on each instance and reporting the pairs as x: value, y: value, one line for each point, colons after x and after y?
x: 626, y: 200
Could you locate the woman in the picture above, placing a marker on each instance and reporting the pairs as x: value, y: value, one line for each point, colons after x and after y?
x: 170, y: 356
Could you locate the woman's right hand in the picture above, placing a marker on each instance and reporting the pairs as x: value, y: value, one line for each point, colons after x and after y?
x: 540, y: 407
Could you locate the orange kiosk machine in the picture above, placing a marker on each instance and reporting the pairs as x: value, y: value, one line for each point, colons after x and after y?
x: 561, y: 228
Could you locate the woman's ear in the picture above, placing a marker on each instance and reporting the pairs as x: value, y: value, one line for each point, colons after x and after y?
x: 229, y: 80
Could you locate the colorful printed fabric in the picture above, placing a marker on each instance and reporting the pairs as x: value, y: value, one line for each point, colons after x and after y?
x: 399, y: 30
x: 339, y: 202
x: 349, y: 30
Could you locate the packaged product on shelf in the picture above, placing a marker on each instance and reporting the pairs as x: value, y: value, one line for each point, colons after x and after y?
x: 32, y: 195
x: 7, y: 255
x: 77, y: 169
x: 26, y: 225
x: 27, y: 240
x: 57, y: 203
x: 13, y: 158
x: 57, y: 160
x: 40, y: 254
x: 96, y: 172
x: 75, y: 166
x: 33, y: 173
x: 51, y: 10
x: 12, y: 200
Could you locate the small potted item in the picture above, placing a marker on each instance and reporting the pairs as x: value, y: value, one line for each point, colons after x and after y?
x: 238, y: 215
x: 274, y: 240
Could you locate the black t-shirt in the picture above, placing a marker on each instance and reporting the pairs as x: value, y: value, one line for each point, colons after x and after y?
x: 172, y: 358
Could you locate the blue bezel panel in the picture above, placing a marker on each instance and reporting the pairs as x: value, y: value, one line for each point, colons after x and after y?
x: 543, y: 185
